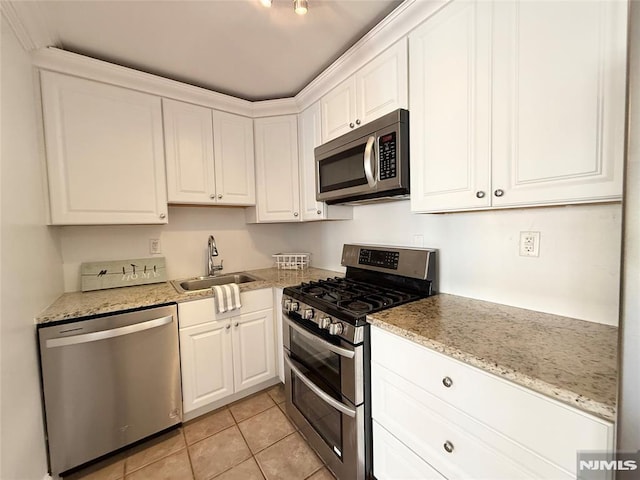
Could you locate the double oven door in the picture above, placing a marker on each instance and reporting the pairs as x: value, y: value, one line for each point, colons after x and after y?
x: 324, y: 383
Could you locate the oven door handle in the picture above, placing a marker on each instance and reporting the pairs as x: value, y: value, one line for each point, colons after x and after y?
x: 323, y: 396
x: 343, y: 352
x: 369, y: 162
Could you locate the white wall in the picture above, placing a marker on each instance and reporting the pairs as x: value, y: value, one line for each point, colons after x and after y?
x: 31, y: 276
x: 576, y: 275
x: 183, y: 242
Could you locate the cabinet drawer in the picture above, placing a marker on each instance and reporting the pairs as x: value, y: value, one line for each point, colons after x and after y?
x: 393, y: 460
x: 204, y: 310
x: 550, y: 429
x: 455, y: 444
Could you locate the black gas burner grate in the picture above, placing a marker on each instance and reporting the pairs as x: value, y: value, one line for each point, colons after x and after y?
x: 353, y: 296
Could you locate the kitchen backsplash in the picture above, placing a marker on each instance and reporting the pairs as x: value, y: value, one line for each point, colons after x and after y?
x: 576, y: 274
x: 183, y: 242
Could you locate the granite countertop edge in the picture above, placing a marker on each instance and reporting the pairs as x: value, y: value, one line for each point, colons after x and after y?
x: 568, y: 397
x: 80, y: 305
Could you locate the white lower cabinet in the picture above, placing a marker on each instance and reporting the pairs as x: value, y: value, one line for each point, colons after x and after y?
x: 206, y: 361
x: 223, y: 355
x: 253, y: 353
x: 394, y: 460
x: 466, y: 423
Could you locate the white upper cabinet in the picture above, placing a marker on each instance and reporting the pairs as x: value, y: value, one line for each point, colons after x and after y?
x: 559, y: 101
x: 277, y: 189
x: 504, y: 116
x: 209, y: 155
x: 189, y: 150
x: 376, y: 89
x: 105, y: 160
x: 234, y: 160
x: 309, y: 137
x: 450, y: 119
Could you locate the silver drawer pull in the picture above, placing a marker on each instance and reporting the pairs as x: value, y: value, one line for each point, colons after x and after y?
x: 447, y: 382
x: 448, y: 446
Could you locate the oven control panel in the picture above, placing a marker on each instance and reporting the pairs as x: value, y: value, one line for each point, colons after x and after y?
x: 293, y: 309
x: 379, y: 258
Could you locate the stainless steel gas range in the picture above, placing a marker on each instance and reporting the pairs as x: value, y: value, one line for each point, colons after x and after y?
x: 327, y: 353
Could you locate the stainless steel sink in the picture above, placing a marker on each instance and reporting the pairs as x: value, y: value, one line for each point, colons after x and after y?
x: 204, y: 283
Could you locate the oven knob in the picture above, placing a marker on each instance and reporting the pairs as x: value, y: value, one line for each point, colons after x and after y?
x: 307, y: 314
x: 293, y: 307
x: 286, y: 304
x: 336, y: 328
x: 324, y: 322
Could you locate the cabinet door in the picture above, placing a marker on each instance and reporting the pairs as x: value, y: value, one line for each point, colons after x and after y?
x: 393, y: 460
x: 253, y: 355
x: 382, y: 84
x: 188, y: 140
x: 234, y: 160
x: 450, y: 124
x: 309, y: 130
x: 105, y: 159
x: 206, y: 357
x: 277, y: 187
x: 339, y: 110
x: 558, y: 101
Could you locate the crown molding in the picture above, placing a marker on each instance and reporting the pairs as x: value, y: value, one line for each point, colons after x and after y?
x: 271, y: 108
x: 27, y: 22
x: 399, y: 23
x: 69, y: 63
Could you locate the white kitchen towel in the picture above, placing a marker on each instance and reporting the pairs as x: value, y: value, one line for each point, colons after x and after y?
x: 227, y: 297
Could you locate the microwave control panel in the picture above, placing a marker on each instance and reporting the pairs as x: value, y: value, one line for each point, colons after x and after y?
x: 387, y: 156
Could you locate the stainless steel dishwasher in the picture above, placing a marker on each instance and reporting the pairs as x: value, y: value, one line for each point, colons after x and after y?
x: 108, y: 382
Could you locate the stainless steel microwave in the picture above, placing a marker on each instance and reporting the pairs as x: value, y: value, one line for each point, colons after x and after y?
x: 369, y: 163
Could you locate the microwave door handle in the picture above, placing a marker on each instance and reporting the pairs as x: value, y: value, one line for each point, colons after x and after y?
x: 369, y: 162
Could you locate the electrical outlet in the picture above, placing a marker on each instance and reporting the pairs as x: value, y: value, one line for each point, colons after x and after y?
x: 154, y: 246
x: 529, y: 244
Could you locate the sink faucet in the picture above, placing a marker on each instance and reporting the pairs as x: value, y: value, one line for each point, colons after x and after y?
x: 213, y: 252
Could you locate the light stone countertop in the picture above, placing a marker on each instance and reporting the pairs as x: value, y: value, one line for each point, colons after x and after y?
x: 75, y: 305
x: 572, y: 361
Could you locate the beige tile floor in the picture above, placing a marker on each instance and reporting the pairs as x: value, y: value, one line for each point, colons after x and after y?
x: 251, y: 439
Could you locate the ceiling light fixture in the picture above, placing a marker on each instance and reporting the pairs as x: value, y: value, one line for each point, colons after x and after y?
x: 300, y: 6
x: 266, y: 3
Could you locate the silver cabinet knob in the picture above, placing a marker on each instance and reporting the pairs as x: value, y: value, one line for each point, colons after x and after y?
x: 319, y: 212
x: 499, y: 192
x: 163, y: 215
x: 447, y: 382
x: 219, y: 195
x: 212, y: 195
x: 351, y: 125
x: 480, y: 194
x: 448, y: 446
x: 295, y: 214
x: 358, y: 121
x: 228, y: 326
x: 236, y: 324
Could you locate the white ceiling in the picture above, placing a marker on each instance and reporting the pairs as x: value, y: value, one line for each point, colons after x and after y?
x: 236, y: 47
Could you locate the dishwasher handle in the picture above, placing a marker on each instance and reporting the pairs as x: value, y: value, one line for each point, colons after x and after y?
x: 104, y: 334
